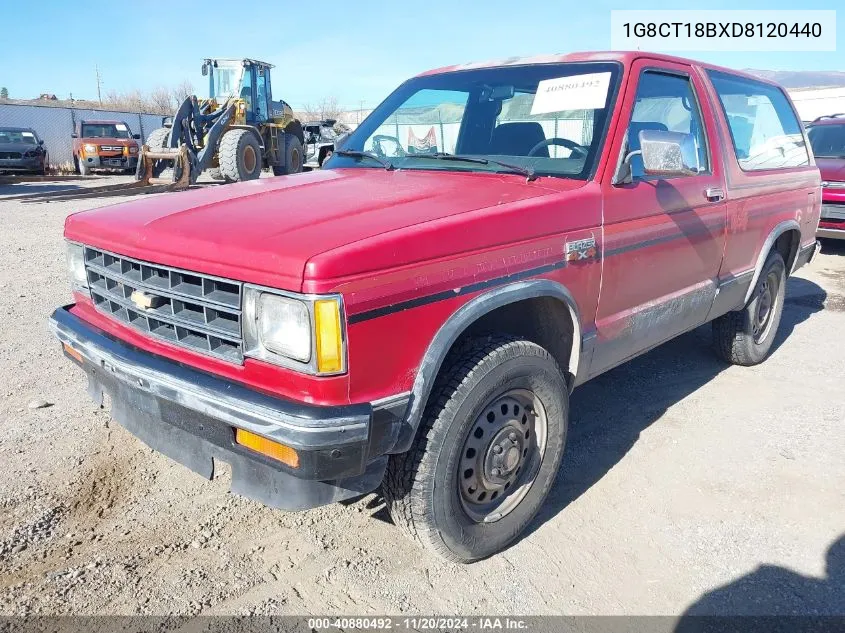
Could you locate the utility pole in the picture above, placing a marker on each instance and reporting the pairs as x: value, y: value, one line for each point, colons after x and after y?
x: 99, y: 81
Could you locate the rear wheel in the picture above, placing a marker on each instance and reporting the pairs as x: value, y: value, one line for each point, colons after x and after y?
x: 745, y: 337
x: 240, y: 156
x: 293, y: 157
x: 487, y: 451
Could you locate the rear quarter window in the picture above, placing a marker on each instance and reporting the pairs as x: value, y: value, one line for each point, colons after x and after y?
x: 765, y: 131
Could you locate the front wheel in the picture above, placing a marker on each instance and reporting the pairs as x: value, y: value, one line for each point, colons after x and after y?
x: 240, y: 155
x: 487, y: 451
x: 745, y: 337
x: 82, y: 166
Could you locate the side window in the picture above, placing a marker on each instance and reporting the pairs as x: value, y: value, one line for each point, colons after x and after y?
x: 666, y: 102
x: 765, y: 131
x: 261, y: 93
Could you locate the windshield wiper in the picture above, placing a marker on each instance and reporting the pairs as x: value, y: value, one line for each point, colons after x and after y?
x: 519, y: 169
x: 354, y: 153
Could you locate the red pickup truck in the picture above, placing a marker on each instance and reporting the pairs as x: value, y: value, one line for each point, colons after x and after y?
x: 415, y: 315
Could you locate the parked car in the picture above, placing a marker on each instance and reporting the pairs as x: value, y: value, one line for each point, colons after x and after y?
x: 320, y: 137
x: 417, y: 321
x: 104, y: 144
x: 22, y: 151
x: 827, y: 137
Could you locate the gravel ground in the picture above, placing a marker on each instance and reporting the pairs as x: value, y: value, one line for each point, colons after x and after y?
x: 687, y: 485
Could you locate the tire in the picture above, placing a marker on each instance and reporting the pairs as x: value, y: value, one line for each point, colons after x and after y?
x: 240, y: 156
x: 82, y: 166
x: 449, y: 519
x: 293, y: 157
x: 745, y: 337
x: 216, y: 174
x: 158, y: 139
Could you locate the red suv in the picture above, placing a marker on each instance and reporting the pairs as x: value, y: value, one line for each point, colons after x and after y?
x: 827, y: 137
x: 415, y: 315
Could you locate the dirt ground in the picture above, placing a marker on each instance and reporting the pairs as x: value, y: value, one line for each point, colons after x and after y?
x: 686, y: 485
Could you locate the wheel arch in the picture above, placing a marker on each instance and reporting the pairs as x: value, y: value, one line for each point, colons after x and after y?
x: 462, y: 323
x: 791, y: 244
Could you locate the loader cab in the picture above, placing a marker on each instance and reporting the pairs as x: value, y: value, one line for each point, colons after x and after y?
x: 245, y: 79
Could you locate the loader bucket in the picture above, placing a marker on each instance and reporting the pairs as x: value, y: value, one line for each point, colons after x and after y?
x: 181, y: 165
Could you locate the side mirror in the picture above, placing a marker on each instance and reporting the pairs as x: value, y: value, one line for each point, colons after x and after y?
x: 137, y: 137
x: 41, y: 142
x: 668, y: 154
x: 74, y: 135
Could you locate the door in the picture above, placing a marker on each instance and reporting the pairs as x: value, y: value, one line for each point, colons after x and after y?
x: 663, y: 237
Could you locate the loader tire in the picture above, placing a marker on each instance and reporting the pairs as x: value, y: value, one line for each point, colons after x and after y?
x: 158, y: 139
x: 240, y: 156
x: 216, y: 174
x: 294, y: 157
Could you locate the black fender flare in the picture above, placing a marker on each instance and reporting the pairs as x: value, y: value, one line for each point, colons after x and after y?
x: 457, y: 324
x: 780, y: 229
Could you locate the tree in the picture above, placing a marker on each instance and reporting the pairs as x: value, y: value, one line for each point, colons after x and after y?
x: 4, y: 93
x: 326, y: 108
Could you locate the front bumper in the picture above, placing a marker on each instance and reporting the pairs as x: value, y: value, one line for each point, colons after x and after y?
x: 110, y: 162
x: 832, y: 221
x: 191, y: 417
x: 22, y: 164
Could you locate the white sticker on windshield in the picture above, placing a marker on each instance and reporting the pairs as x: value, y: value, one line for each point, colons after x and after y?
x: 29, y: 134
x: 120, y: 127
x: 576, y: 92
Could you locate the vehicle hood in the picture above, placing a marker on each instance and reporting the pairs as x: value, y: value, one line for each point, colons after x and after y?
x: 831, y: 168
x: 264, y: 231
x: 17, y: 147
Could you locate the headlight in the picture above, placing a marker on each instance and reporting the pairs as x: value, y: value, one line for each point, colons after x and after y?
x: 284, y: 326
x: 91, y: 149
x: 302, y: 332
x: 76, y: 266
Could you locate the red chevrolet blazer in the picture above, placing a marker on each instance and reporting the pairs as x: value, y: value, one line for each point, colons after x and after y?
x: 415, y: 315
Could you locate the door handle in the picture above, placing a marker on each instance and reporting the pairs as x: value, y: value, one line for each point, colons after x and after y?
x: 714, y: 194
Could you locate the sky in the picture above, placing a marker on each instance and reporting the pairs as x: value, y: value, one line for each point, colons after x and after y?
x: 356, y: 52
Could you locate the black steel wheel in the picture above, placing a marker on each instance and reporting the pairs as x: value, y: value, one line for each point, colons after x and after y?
x: 487, y: 450
x: 745, y: 337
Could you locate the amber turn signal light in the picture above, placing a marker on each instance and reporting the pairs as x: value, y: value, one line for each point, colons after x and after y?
x: 329, y: 336
x: 274, y: 450
x: 72, y: 353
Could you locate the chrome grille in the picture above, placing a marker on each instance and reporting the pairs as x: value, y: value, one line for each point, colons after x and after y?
x: 192, y: 310
x: 111, y: 148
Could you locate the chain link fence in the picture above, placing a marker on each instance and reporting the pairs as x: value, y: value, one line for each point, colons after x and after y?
x: 54, y: 126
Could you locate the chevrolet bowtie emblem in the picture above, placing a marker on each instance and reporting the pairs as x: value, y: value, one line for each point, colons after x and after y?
x: 144, y: 301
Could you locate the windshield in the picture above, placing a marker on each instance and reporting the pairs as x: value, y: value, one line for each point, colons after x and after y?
x: 827, y: 141
x: 105, y: 130
x: 226, y: 81
x: 17, y: 136
x: 549, y: 118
